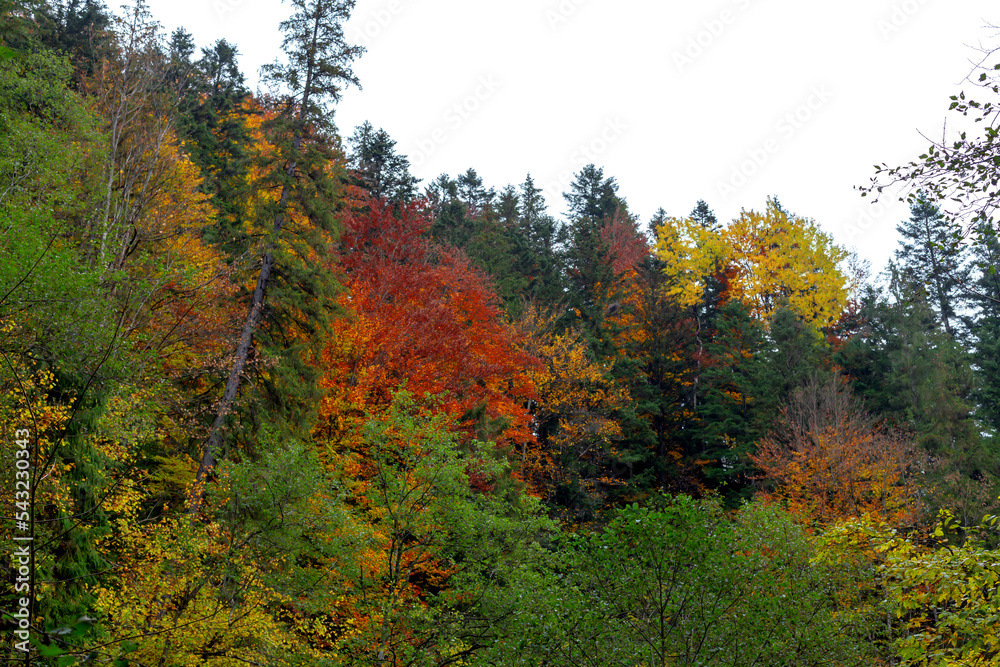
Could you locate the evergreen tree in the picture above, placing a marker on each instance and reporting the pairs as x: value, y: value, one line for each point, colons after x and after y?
x: 473, y: 194
x: 593, y: 203
x: 453, y: 223
x: 378, y: 167
x: 795, y: 353
x: 213, y: 122
x: 931, y: 254
x: 655, y: 360
x: 318, y: 69
x: 704, y: 216
x: 986, y: 327
x: 593, y: 196
x: 541, y: 256
x: 493, y: 248
x: 79, y: 28
x: 727, y: 425
x: 911, y: 373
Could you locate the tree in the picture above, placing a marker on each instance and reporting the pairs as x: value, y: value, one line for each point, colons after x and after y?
x: 917, y: 377
x: 593, y: 202
x: 379, y: 169
x: 318, y: 68
x: 428, y: 586
x: 80, y: 28
x: 532, y: 239
x: 829, y: 460
x: 417, y: 314
x: 931, y: 254
x: 769, y: 259
x: 986, y: 326
x: 577, y: 432
x: 704, y: 216
x: 680, y: 583
x: 780, y: 258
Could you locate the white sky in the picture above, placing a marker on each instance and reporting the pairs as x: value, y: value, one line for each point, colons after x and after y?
x: 673, y: 99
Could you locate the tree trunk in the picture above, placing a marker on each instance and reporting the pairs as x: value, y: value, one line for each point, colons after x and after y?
x: 210, y: 451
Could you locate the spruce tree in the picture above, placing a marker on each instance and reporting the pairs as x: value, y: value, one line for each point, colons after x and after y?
x: 593, y: 203
x: 705, y: 216
x: 317, y: 70
x: 454, y: 224
x: 378, y: 167
x: 541, y: 260
x: 931, y: 254
x: 986, y: 327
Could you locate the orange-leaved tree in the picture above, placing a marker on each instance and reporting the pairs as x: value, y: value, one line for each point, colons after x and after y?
x: 830, y: 460
x: 416, y: 314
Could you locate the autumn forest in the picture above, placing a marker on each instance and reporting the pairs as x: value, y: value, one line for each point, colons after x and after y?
x: 266, y: 398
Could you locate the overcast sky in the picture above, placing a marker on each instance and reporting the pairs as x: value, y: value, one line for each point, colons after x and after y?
x: 728, y: 100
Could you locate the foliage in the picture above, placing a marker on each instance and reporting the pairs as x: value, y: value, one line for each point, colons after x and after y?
x: 831, y: 461
x: 775, y: 258
x: 419, y: 315
x: 936, y: 595
x: 426, y: 587
x: 683, y: 584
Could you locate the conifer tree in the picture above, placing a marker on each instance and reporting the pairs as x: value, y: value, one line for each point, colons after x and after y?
x: 931, y: 254
x: 594, y: 203
x: 378, y: 167
x: 703, y: 215
x: 317, y: 70
x: 986, y: 326
x: 541, y: 260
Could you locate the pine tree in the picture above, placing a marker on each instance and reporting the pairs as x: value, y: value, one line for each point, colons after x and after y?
x: 931, y: 254
x: 378, y: 167
x: 986, y: 326
x: 593, y: 203
x: 318, y: 69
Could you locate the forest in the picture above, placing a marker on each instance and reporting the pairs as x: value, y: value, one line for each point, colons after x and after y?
x: 268, y: 399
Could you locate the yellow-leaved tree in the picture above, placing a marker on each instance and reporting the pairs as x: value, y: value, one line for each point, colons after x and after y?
x: 767, y: 258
